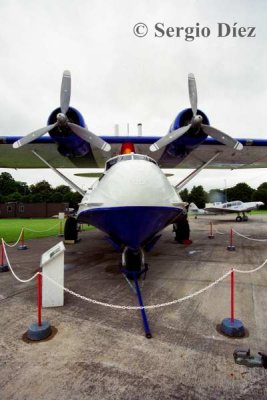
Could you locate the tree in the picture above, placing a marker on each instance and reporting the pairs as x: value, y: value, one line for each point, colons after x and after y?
x: 261, y: 194
x: 56, y: 197
x: 41, y: 187
x: 184, y: 195
x: 7, y: 184
x: 198, y: 196
x: 241, y: 191
x: 16, y: 196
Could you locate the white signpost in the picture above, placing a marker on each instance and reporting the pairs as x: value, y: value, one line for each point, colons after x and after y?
x: 52, y: 264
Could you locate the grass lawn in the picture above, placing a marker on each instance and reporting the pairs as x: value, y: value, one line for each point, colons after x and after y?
x: 10, y: 228
x: 259, y: 212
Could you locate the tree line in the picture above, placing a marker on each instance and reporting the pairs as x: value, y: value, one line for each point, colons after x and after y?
x: 241, y: 191
x: 11, y: 190
x: 16, y: 191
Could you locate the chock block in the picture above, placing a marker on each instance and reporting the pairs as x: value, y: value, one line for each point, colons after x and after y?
x: 187, y: 241
x: 233, y: 328
x: 4, y: 268
x: 36, y: 332
x: 69, y: 241
x: 22, y: 247
x: 231, y: 248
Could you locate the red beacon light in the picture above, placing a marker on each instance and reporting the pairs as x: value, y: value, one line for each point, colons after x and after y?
x: 127, y: 148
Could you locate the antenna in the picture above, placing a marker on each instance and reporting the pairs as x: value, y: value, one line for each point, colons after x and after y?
x: 139, y: 129
x: 116, y: 130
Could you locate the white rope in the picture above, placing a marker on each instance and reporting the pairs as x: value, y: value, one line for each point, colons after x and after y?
x: 11, y: 269
x: 246, y: 237
x: 251, y: 270
x: 46, y: 230
x: 15, y: 244
x: 131, y: 307
x: 137, y: 307
x: 220, y: 233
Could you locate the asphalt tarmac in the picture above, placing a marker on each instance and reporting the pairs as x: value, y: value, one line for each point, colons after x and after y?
x: 96, y: 352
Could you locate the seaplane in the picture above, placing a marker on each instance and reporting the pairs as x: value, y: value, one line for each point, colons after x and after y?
x: 132, y: 201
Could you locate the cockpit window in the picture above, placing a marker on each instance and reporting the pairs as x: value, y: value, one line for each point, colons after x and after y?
x: 127, y: 157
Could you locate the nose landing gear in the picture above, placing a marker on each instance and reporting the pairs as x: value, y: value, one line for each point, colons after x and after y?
x: 133, y: 266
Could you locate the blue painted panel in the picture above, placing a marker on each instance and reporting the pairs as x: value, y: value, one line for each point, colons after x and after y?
x: 130, y: 226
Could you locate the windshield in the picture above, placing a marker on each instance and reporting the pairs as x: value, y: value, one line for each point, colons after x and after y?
x: 127, y: 157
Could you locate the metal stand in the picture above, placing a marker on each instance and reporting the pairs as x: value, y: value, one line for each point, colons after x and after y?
x: 135, y: 275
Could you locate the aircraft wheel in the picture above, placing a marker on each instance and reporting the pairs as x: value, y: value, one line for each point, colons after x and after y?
x: 70, y: 230
x: 245, y: 218
x: 133, y: 260
x: 238, y: 218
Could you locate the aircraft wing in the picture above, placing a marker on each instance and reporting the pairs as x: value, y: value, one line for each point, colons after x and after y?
x: 253, y: 155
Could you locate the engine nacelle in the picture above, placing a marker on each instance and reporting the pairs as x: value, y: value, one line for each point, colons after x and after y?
x: 69, y: 144
x: 178, y: 150
x: 184, y: 118
x: 194, y: 136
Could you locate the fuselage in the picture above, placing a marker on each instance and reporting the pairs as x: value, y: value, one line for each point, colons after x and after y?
x: 132, y: 201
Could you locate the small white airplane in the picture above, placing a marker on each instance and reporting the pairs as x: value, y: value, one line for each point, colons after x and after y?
x: 194, y: 210
x: 235, y: 207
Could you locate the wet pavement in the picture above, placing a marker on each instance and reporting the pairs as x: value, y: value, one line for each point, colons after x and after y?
x: 97, y: 352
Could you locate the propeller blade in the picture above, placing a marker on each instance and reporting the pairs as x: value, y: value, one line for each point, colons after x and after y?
x: 192, y: 88
x: 170, y: 137
x: 65, y: 92
x: 89, y: 137
x: 222, y: 137
x: 32, y: 136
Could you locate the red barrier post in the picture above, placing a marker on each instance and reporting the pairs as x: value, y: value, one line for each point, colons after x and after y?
x: 22, y: 246
x: 231, y: 247
x: 232, y: 296
x: 211, y: 236
x: 3, y: 266
x: 231, y: 326
x: 2, y: 254
x: 39, y: 298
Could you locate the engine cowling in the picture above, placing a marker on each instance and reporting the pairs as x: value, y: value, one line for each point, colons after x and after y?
x: 69, y: 144
x: 184, y: 118
x: 178, y: 150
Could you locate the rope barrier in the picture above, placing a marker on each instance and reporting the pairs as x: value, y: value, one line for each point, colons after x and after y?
x: 219, y: 233
x: 251, y: 270
x: 15, y: 244
x: 131, y: 307
x: 246, y: 237
x: 137, y: 307
x: 11, y: 269
x: 46, y: 230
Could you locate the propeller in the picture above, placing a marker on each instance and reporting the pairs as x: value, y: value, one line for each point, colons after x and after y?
x: 62, y: 121
x: 196, y: 123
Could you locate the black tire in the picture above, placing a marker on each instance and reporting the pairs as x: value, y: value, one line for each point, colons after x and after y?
x: 133, y: 260
x: 70, y: 230
x: 238, y: 219
x: 182, y: 230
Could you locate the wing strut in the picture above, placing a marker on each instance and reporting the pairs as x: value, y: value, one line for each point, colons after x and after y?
x: 67, y: 180
x: 188, y: 178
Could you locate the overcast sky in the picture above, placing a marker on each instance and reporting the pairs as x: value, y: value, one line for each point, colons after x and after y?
x: 120, y: 78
